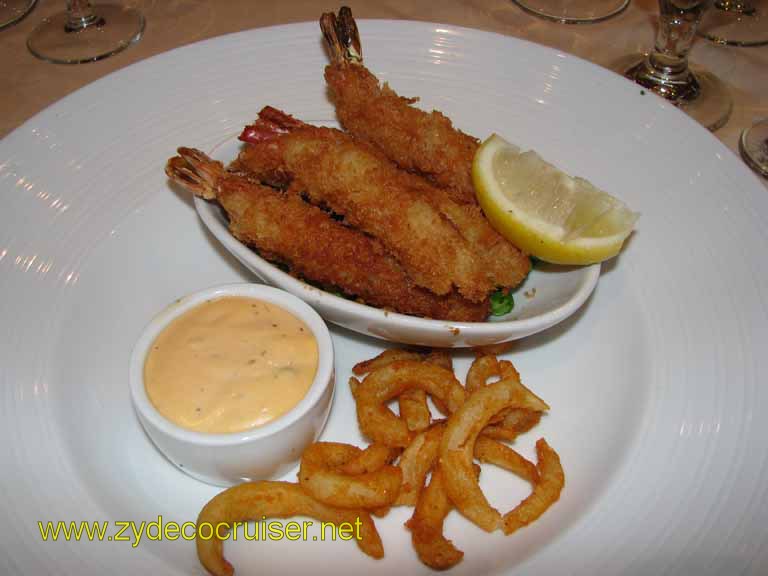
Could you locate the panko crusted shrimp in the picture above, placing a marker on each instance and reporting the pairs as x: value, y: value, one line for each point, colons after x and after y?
x: 424, y: 142
x: 357, y: 182
x: 436, y: 239
x: 286, y: 229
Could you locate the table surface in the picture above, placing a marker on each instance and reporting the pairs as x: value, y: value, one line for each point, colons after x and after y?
x: 28, y: 85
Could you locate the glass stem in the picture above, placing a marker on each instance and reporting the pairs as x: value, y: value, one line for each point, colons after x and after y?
x: 665, y: 70
x: 80, y: 15
x: 677, y: 29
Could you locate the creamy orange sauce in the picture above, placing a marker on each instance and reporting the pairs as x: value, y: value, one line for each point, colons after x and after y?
x: 230, y: 364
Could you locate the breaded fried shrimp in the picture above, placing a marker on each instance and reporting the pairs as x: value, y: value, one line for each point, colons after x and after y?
x: 419, y: 141
x: 288, y: 230
x: 358, y: 183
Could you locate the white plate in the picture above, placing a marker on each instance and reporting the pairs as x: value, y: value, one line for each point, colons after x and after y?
x: 548, y: 296
x: 656, y: 384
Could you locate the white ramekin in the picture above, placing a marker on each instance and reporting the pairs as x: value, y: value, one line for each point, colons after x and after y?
x: 264, y: 452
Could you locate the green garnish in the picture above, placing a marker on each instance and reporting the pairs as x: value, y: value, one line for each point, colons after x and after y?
x: 501, y: 302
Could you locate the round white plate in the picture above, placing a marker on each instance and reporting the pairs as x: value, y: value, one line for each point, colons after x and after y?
x: 655, y: 383
x: 549, y: 294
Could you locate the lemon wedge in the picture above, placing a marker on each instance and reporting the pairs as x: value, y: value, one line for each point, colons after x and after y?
x: 545, y: 212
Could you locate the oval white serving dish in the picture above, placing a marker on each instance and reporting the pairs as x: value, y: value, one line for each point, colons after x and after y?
x: 554, y: 293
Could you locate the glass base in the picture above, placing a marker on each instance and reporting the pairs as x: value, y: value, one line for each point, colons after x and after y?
x: 114, y: 29
x: 11, y: 11
x: 753, y: 146
x: 574, y: 11
x: 709, y: 102
x: 736, y: 26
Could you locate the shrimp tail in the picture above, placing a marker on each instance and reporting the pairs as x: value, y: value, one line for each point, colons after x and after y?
x: 341, y: 36
x: 195, y: 171
x: 271, y: 124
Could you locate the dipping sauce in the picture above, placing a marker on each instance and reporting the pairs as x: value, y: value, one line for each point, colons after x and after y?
x: 230, y: 364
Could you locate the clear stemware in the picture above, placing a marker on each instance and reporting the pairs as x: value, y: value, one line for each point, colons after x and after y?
x: 86, y: 33
x: 11, y: 11
x: 666, y: 72
x: 737, y: 23
x: 753, y: 146
x: 573, y: 11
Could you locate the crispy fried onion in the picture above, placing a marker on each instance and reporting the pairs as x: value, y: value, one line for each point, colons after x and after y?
x: 426, y: 526
x: 384, y: 359
x: 412, y: 403
x: 545, y: 492
x: 259, y: 500
x: 414, y: 409
x: 370, y: 459
x: 515, y: 422
x: 501, y: 455
x: 433, y: 504
x: 458, y: 444
x: 511, y: 422
x: 421, y: 454
x: 439, y: 357
x: 485, y: 367
x: 416, y: 462
x: 345, y: 476
x: 342, y: 483
x: 379, y: 387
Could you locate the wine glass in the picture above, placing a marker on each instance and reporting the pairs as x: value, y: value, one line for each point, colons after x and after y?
x: 11, y: 11
x: 753, y: 146
x: 737, y: 23
x: 573, y: 11
x: 665, y: 71
x: 86, y: 33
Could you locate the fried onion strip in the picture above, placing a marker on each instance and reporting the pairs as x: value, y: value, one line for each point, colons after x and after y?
x: 482, y: 368
x: 321, y: 476
x: 416, y: 462
x: 377, y: 421
x: 457, y: 446
x: 501, y: 455
x: 515, y: 422
x: 353, y: 384
x: 440, y: 358
x: 414, y: 409
x: 412, y: 403
x: 384, y: 359
x: 545, y: 493
x: 426, y: 526
x: 507, y: 424
x: 370, y: 459
x: 259, y: 500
